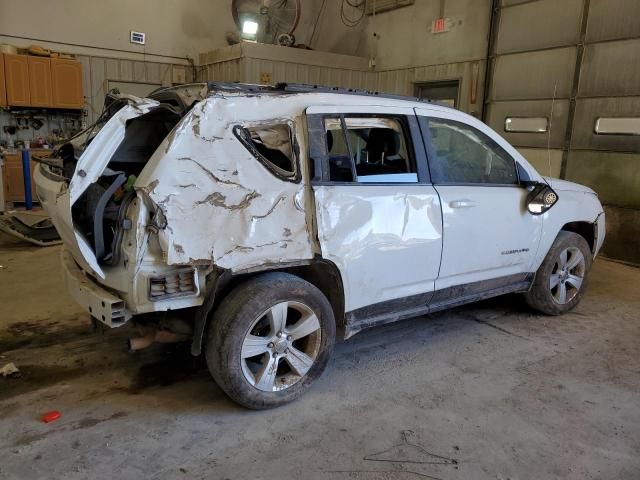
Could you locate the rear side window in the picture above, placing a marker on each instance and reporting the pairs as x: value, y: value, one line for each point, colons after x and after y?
x: 368, y: 150
x: 462, y: 154
x: 272, y: 145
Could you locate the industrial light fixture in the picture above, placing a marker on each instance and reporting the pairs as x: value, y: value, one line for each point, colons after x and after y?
x: 249, y: 27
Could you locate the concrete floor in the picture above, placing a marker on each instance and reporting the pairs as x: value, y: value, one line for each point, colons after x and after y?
x: 489, y: 391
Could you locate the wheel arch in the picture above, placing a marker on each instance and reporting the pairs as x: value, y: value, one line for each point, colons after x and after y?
x: 321, y: 273
x: 587, y: 230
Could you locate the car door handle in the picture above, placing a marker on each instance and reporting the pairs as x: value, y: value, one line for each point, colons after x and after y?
x: 462, y: 204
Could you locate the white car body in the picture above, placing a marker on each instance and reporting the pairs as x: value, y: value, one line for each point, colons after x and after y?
x: 399, y: 249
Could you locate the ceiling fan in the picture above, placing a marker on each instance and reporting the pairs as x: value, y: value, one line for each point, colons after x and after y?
x: 267, y: 21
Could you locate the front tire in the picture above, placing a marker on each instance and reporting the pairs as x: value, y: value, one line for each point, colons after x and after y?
x: 562, y: 278
x: 271, y: 337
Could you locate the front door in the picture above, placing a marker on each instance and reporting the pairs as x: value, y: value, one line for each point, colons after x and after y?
x: 490, y: 238
x: 378, y: 218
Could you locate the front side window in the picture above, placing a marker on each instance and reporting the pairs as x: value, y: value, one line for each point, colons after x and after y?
x: 462, y: 154
x: 368, y: 150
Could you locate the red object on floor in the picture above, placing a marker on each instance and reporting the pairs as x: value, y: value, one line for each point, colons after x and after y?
x: 51, y: 416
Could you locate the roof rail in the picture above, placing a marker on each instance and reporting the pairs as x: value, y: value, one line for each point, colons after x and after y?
x: 241, y: 87
x: 284, y: 87
x: 305, y: 88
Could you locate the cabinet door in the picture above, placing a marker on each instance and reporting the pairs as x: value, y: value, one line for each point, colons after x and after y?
x: 16, y: 70
x: 14, y: 179
x: 13, y: 183
x: 3, y: 86
x: 66, y: 77
x: 40, y: 81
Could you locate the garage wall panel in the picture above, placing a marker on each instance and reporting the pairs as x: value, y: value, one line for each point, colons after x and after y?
x: 623, y: 231
x: 588, y: 110
x: 500, y: 111
x: 469, y: 74
x: 227, y: 71
x: 255, y: 69
x: 126, y: 71
x: 536, y: 25
x: 613, y: 19
x: 611, y: 69
x: 598, y: 75
x: 534, y: 75
x: 152, y: 74
x: 112, y: 68
x: 614, y: 176
x: 98, y: 70
x: 546, y: 162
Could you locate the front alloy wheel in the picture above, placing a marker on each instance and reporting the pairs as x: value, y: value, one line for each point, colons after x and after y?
x: 567, y: 275
x: 561, y: 279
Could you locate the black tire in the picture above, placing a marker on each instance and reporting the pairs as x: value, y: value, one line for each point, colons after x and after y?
x: 541, y: 297
x: 234, y: 319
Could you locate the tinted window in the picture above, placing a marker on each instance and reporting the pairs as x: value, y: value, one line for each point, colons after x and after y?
x: 373, y: 149
x: 463, y: 154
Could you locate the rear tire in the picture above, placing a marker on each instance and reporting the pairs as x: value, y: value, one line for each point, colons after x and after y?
x: 562, y: 278
x: 269, y: 340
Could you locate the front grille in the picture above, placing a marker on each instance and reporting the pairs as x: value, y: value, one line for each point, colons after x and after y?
x: 175, y: 284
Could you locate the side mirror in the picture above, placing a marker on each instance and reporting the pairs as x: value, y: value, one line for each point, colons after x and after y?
x: 541, y: 199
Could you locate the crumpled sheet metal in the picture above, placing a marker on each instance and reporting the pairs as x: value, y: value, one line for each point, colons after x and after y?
x: 221, y: 204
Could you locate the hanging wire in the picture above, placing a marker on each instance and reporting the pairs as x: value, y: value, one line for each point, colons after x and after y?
x: 315, y: 25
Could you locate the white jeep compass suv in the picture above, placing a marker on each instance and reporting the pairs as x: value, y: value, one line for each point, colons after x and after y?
x: 263, y: 219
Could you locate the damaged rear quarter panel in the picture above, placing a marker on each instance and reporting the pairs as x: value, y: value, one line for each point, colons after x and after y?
x: 221, y: 204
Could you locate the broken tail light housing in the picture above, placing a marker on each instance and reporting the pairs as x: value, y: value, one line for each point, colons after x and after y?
x: 177, y: 283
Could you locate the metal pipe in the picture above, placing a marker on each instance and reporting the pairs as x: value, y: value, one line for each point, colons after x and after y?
x: 26, y: 173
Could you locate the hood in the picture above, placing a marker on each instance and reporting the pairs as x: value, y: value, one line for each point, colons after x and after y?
x: 565, y: 186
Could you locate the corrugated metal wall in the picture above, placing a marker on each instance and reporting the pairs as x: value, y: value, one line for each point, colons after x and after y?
x: 470, y: 74
x: 97, y: 71
x: 610, y: 87
x: 583, y: 53
x: 253, y: 70
x: 257, y: 63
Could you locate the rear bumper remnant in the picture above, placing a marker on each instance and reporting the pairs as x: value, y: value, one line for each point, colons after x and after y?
x: 100, y: 303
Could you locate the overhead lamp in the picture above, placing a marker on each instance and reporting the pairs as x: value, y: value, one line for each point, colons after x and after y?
x: 249, y: 27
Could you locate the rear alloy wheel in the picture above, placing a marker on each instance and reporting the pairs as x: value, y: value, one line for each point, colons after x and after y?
x: 270, y: 339
x: 281, y: 346
x: 561, y: 279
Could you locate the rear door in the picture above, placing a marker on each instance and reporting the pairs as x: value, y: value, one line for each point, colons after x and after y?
x: 58, y: 198
x: 378, y: 218
x: 489, y: 236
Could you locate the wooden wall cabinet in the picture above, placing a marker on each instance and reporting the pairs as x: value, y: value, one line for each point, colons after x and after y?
x: 12, y: 178
x: 16, y: 71
x: 66, y: 79
x: 40, y: 81
x: 3, y: 85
